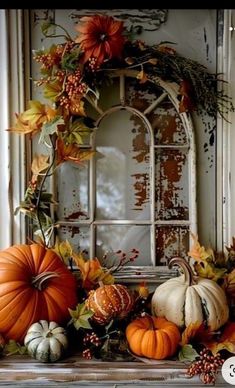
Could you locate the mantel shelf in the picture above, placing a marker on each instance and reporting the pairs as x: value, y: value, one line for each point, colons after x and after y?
x: 76, y: 371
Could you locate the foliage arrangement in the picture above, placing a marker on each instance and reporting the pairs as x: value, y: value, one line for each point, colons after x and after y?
x: 104, y: 319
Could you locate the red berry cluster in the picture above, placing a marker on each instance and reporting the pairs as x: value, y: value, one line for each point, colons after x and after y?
x: 206, y: 366
x: 93, y: 64
x: 90, y: 340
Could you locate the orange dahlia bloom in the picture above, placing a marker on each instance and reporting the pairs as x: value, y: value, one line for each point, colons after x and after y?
x: 100, y: 37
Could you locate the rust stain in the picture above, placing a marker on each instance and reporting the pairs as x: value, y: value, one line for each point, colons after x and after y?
x: 75, y: 216
x: 141, y: 187
x: 167, y: 190
x: 140, y: 147
x: 167, y: 125
x: 171, y: 241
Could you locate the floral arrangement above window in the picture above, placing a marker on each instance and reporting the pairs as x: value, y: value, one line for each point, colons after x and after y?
x: 104, y: 319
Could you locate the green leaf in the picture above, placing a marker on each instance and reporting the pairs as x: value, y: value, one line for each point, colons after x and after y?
x: 76, y: 132
x: 13, y: 347
x: 45, y: 27
x: 81, y: 316
x: 49, y: 128
x: 187, y: 353
x: 70, y: 61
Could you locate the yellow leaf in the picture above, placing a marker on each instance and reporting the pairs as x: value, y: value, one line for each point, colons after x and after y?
x: 52, y: 90
x: 39, y: 164
x: 209, y: 271
x: 31, y: 120
x: 64, y: 250
x: 142, y: 77
x: 143, y: 290
x: 23, y: 127
x: 36, y: 114
x: 198, y: 252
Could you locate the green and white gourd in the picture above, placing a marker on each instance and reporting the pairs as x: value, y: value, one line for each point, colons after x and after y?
x: 188, y: 299
x: 46, y: 341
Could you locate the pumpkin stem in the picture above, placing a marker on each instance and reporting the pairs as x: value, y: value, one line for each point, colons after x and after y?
x: 151, y: 321
x: 40, y: 280
x: 188, y: 273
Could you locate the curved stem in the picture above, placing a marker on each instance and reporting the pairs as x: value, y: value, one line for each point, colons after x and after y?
x: 188, y: 273
x: 40, y: 193
x: 40, y: 280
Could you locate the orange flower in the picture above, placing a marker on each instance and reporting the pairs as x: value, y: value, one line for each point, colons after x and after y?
x: 100, y: 37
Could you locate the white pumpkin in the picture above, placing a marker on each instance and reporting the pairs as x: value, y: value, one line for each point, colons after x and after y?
x: 46, y: 341
x: 188, y: 299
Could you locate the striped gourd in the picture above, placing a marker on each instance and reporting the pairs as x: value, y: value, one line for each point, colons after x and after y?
x: 108, y: 302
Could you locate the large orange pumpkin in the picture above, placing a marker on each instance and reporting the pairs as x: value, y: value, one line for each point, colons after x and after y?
x: 152, y: 337
x: 109, y: 301
x: 34, y: 284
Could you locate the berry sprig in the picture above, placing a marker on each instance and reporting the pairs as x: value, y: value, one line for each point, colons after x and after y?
x: 91, y: 341
x: 206, y: 366
x: 122, y: 258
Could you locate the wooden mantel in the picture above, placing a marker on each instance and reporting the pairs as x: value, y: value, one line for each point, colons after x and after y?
x: 76, y: 371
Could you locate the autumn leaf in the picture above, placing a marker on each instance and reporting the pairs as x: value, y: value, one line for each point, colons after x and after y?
x: 76, y: 132
x: 187, y: 353
x: 229, y: 283
x: 142, y: 77
x: 209, y: 270
x: 31, y: 120
x: 52, y: 90
x: 37, y: 113
x: 166, y: 49
x: 64, y: 250
x: 226, y: 342
x: 71, y: 153
x: 91, y: 271
x: 198, y: 252
x: 80, y: 316
x: 77, y: 107
x: 39, y: 164
x: 190, y: 332
x: 23, y: 127
x: 13, y: 347
x: 143, y: 290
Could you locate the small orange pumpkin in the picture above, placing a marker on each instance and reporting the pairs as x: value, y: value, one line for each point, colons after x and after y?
x: 34, y: 284
x: 108, y: 302
x: 152, y: 337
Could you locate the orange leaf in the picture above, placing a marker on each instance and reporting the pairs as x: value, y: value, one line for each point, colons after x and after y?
x: 226, y: 341
x: 39, y: 164
x: 91, y: 272
x: 71, y: 153
x: 190, y: 332
x: 142, y: 77
x: 23, y: 127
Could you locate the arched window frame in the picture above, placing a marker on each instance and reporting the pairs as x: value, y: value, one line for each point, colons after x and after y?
x: 169, y: 90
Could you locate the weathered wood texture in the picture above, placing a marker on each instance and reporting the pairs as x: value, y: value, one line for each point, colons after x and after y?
x: 74, y: 371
